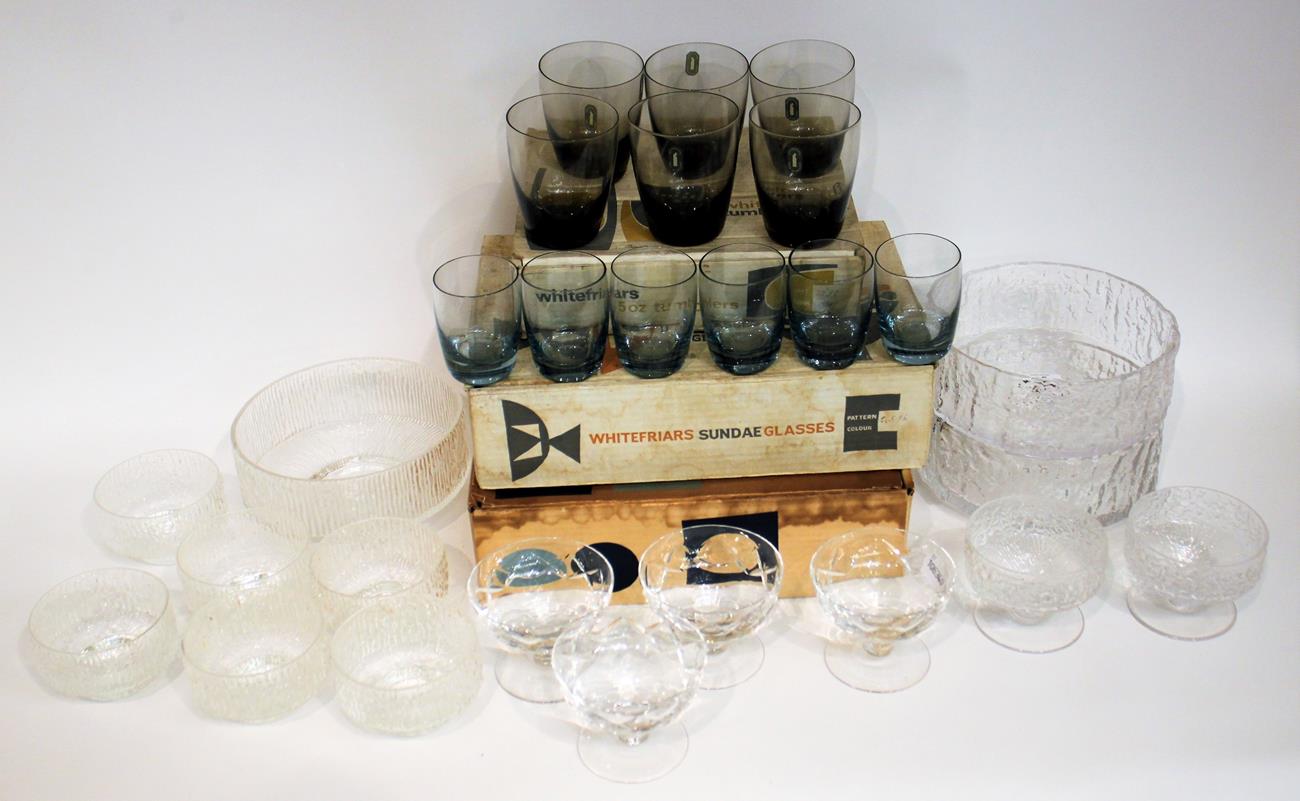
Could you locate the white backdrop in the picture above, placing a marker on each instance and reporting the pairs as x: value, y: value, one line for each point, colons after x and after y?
x: 196, y: 198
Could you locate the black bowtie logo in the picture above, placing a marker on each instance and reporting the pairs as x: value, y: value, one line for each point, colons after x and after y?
x: 528, y: 442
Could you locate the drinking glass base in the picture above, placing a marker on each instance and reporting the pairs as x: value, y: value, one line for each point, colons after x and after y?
x: 655, y: 756
x: 1203, y: 624
x: 735, y: 664
x: 906, y: 665
x: 527, y: 680
x: 1051, y: 633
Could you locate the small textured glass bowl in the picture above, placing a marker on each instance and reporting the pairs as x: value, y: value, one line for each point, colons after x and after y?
x: 243, y: 554
x: 1191, y: 552
x: 1032, y: 562
x: 151, y: 502
x: 722, y: 581
x: 528, y: 593
x: 405, y: 665
x: 629, y: 673
x: 881, y: 589
x: 104, y: 634
x: 369, y: 560
x: 253, y: 660
x: 352, y: 439
x: 1056, y: 360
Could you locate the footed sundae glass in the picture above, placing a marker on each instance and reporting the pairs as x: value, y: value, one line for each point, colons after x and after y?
x: 723, y: 581
x: 1032, y: 562
x: 530, y: 592
x: 630, y: 672
x: 882, y: 594
x: 1191, y: 553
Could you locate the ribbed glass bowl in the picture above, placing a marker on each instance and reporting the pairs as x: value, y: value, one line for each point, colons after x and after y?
x: 244, y: 554
x: 375, y: 559
x: 149, y: 503
x: 104, y: 634
x: 1190, y: 547
x: 1057, y: 361
x: 353, y: 439
x: 406, y: 665
x: 256, y: 659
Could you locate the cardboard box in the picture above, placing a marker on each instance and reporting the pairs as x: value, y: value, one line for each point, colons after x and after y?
x: 796, y: 513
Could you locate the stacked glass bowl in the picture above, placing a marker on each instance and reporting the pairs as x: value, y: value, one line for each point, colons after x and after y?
x: 1056, y: 385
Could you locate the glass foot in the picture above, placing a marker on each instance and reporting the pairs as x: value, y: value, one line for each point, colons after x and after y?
x: 906, y: 665
x: 1050, y: 633
x: 655, y: 756
x: 1203, y: 624
x: 528, y: 680
x: 736, y: 663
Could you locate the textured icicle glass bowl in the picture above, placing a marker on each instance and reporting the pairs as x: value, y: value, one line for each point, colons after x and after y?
x: 1057, y: 361
x: 253, y: 660
x: 376, y: 559
x: 247, y: 553
x: 1191, y: 552
x: 104, y: 634
x: 405, y: 665
x: 353, y: 439
x: 151, y: 502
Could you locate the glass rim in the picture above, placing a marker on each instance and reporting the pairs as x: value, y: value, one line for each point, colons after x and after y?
x: 542, y: 59
x: 633, y: 114
x: 763, y: 245
x: 158, y: 618
x: 853, y: 63
x: 554, y: 253
x: 871, y: 259
x: 935, y: 274
x: 644, y: 250
x: 744, y: 76
x: 913, y: 545
x: 855, y: 115
x: 613, y: 127
x: 673, y: 537
x: 1150, y: 498
x: 1167, y: 352
x: 480, y: 257
x: 391, y: 363
x: 303, y: 552
x: 1045, y: 505
x: 207, y: 463
x: 235, y: 605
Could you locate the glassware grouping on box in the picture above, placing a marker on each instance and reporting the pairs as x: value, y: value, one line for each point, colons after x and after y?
x: 825, y: 288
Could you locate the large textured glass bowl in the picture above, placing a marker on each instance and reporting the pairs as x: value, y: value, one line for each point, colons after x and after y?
x: 1191, y: 552
x: 352, y: 439
x: 1057, y: 360
x: 722, y: 581
x: 255, y: 660
x: 244, y: 554
x: 1032, y: 562
x: 374, y: 559
x: 629, y: 673
x: 151, y: 502
x: 104, y: 634
x: 528, y: 593
x: 406, y: 665
x: 881, y: 588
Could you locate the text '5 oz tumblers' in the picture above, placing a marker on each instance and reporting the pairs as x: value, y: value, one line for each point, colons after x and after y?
x: 566, y: 309
x: 684, y: 156
x: 742, y: 301
x: 653, y: 309
x: 562, y: 150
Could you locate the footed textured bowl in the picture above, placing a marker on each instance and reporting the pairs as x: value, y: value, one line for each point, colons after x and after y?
x: 1059, y: 361
x: 1191, y: 552
x: 104, y: 634
x: 1029, y: 558
x: 406, y: 665
x: 353, y: 439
